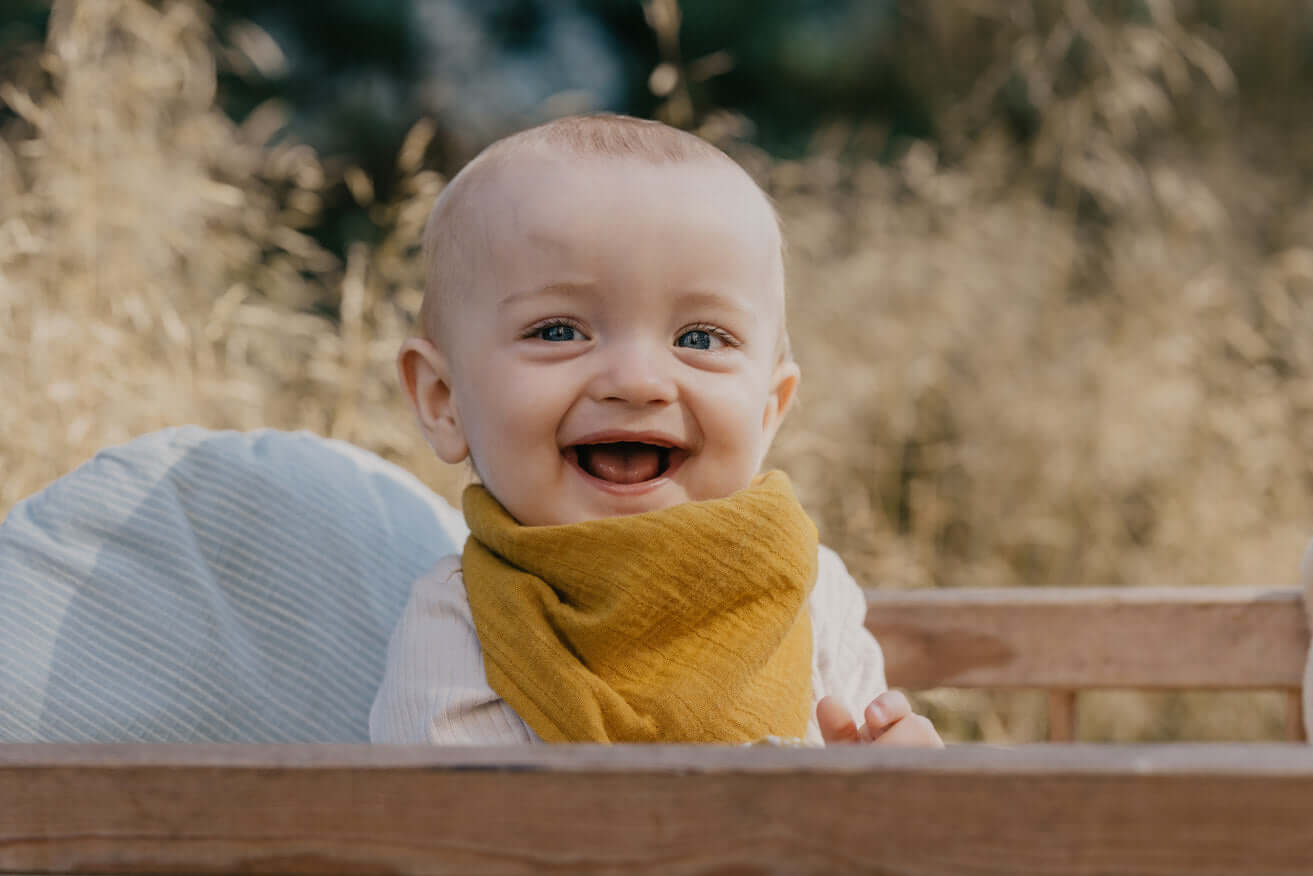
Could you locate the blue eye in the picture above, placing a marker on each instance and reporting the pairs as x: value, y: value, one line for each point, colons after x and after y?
x: 557, y: 331
x: 696, y: 339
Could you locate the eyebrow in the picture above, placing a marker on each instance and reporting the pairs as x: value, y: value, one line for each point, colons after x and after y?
x: 566, y: 290
x: 710, y: 299
x: 698, y: 298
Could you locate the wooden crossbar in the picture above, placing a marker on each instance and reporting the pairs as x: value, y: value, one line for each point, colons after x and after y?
x: 1156, y: 638
x: 1064, y: 809
x: 1067, y: 640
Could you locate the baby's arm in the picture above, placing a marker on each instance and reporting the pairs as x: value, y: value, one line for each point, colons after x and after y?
x: 434, y: 689
x: 851, y: 666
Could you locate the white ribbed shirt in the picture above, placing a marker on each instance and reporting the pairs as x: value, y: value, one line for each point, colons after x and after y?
x: 434, y: 689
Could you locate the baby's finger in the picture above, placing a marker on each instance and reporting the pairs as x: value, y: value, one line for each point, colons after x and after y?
x: 886, y: 709
x: 837, y: 726
x: 912, y: 730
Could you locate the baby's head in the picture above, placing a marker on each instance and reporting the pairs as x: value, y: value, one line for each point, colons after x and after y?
x: 603, y: 325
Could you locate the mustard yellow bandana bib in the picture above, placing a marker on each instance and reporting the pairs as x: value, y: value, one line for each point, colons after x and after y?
x: 687, y: 624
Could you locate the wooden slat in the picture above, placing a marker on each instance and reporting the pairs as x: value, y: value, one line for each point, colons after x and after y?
x: 1062, y: 716
x: 1070, y: 638
x: 1052, y: 809
x: 1295, y: 729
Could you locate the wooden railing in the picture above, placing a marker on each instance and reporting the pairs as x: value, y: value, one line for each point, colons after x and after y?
x: 1027, y: 809
x: 1054, y: 809
x: 1067, y: 640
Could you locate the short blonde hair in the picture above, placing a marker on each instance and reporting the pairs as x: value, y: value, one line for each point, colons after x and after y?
x: 448, y: 242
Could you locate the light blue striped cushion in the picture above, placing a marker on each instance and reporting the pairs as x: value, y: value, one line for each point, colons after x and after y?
x: 200, y: 586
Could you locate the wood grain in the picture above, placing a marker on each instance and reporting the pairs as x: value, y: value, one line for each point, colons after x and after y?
x: 1075, y: 639
x: 1050, y: 809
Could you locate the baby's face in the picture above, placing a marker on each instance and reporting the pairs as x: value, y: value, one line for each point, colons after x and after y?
x: 620, y: 350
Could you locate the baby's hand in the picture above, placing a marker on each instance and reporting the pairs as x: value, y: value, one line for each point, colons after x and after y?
x: 889, y: 721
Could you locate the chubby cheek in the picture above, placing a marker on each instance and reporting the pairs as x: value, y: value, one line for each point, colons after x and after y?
x: 511, y: 420
x: 733, y: 442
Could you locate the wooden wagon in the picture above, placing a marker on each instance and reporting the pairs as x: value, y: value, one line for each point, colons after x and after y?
x: 1056, y: 807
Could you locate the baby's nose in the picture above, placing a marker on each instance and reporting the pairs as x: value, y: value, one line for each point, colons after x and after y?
x: 636, y: 375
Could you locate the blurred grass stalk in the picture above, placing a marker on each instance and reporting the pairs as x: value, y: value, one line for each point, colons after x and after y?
x: 1067, y: 345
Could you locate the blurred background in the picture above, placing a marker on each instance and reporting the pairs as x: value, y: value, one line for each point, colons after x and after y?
x: 1051, y: 263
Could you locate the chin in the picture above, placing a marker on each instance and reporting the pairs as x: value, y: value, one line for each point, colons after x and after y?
x: 599, y: 507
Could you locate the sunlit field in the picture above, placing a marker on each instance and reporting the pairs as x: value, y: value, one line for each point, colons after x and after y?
x: 1066, y: 347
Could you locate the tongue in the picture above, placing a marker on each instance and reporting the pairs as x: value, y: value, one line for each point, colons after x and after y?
x: 625, y: 463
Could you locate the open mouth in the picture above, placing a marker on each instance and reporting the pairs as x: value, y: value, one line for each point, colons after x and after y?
x: 626, y: 462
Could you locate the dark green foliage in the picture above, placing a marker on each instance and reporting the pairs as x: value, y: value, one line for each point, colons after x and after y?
x: 22, y: 21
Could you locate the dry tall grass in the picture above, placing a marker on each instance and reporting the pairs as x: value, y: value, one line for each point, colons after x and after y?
x: 1085, y: 361
x: 152, y: 270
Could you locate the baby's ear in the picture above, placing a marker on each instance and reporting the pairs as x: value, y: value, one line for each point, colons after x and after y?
x: 783, y: 390
x: 424, y: 373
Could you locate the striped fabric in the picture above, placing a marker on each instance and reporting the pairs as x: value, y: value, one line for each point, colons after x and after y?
x: 200, y: 586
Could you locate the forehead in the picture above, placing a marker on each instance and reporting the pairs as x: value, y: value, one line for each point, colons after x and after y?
x: 700, y: 212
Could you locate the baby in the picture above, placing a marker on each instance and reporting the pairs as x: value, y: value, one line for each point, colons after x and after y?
x: 603, y: 337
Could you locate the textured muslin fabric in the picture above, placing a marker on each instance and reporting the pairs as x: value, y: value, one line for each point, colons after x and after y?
x: 682, y: 624
x: 435, y: 690
x: 202, y: 586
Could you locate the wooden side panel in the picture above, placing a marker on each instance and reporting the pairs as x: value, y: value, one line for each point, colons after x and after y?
x: 1077, y: 639
x: 971, y: 809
